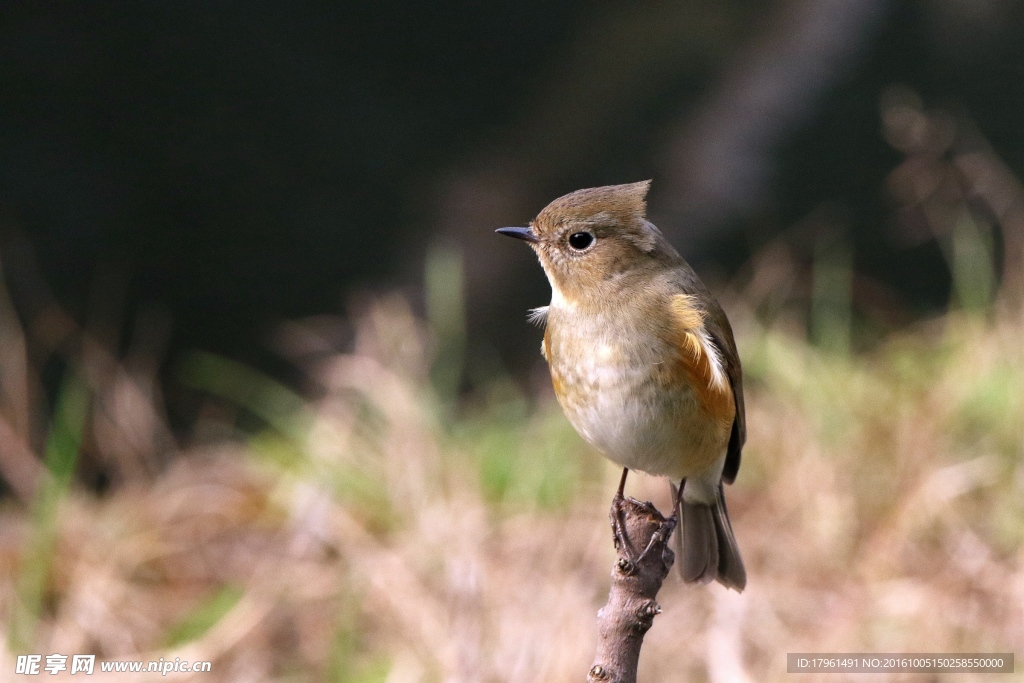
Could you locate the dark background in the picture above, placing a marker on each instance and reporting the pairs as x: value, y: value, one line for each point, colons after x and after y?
x: 234, y: 165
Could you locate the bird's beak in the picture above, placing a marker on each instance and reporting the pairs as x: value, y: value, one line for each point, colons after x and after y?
x: 526, y: 234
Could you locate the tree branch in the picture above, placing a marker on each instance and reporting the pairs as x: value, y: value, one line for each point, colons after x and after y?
x: 636, y: 579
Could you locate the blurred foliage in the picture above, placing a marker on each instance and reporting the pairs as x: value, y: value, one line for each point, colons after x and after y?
x: 204, y: 616
x: 372, y: 528
x: 33, y: 588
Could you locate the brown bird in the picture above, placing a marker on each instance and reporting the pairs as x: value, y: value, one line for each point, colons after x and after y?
x: 643, y: 361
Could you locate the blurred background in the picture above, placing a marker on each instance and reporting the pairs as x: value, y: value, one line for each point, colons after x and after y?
x: 267, y: 393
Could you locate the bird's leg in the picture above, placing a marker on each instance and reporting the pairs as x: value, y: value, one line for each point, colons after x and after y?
x: 677, y: 498
x: 618, y: 517
x: 621, y: 491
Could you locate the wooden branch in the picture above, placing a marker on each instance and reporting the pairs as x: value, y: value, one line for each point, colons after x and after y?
x: 636, y: 579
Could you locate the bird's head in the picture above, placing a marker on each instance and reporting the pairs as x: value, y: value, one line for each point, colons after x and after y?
x: 589, y: 239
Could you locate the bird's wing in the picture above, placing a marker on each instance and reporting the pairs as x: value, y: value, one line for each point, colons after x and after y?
x: 716, y: 324
x: 721, y: 333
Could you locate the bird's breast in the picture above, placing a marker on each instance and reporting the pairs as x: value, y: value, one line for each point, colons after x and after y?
x: 627, y: 390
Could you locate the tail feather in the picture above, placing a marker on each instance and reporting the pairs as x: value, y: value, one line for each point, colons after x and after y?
x: 698, y: 560
x: 706, y: 547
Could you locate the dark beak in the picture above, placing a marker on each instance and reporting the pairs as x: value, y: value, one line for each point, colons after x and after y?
x: 526, y: 234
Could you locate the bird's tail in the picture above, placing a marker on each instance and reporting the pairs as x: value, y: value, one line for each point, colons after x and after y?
x: 705, y: 546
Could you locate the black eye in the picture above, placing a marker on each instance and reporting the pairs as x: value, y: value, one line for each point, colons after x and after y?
x: 580, y: 240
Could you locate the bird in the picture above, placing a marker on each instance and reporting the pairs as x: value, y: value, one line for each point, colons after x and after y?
x: 643, y: 362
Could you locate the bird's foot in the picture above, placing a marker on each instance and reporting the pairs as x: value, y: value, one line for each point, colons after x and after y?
x: 629, y: 557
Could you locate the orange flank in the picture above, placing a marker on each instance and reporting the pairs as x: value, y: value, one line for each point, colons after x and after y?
x: 556, y: 378
x: 713, y: 395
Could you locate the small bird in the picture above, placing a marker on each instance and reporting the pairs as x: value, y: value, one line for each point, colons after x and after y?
x: 643, y: 361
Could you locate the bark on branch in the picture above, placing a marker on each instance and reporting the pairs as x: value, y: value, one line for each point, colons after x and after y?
x: 641, y: 568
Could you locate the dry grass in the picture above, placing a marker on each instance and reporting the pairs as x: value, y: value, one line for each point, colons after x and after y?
x: 361, y: 535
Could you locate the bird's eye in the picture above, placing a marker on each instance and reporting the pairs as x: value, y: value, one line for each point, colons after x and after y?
x: 580, y: 240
